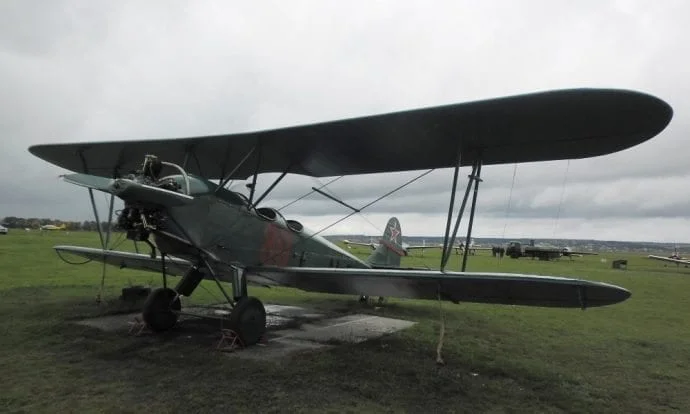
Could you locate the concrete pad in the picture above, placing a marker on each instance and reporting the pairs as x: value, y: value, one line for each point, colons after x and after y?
x: 350, y: 328
x: 110, y: 323
x: 290, y: 329
x: 277, y: 349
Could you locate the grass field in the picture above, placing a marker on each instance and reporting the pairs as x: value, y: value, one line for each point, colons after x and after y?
x: 631, y: 357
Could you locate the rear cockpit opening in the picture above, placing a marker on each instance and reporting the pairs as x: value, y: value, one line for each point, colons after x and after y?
x: 268, y: 213
x: 295, y: 226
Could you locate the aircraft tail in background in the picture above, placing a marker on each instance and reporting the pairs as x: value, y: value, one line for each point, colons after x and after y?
x: 390, y: 248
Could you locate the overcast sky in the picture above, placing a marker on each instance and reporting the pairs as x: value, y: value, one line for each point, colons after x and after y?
x: 105, y: 70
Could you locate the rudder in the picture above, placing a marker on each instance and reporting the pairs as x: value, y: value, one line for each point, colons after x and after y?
x: 389, y: 249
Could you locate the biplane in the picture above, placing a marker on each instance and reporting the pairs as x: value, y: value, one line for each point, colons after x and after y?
x: 199, y: 229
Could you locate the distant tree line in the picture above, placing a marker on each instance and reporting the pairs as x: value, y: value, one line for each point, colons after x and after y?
x: 36, y: 223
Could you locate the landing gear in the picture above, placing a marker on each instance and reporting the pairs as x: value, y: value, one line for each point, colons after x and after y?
x: 248, y: 320
x: 365, y: 300
x: 248, y: 316
x: 161, y: 309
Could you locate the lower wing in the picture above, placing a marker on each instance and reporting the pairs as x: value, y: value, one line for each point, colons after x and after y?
x: 480, y: 287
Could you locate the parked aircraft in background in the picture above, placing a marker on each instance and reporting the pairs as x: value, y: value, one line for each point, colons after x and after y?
x: 53, y: 227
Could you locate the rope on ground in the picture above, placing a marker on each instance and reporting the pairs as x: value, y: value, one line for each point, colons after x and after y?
x: 442, y: 332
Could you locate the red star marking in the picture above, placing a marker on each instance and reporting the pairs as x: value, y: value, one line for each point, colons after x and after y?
x: 394, y: 232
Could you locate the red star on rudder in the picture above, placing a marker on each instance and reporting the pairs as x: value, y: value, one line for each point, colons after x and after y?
x: 394, y: 232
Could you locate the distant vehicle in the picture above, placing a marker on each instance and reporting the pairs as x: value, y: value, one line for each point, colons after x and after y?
x: 515, y: 250
x: 3, y: 230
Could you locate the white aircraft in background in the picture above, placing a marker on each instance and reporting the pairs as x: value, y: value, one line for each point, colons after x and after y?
x: 459, y: 248
x: 406, y: 247
x: 674, y: 258
x: 53, y: 227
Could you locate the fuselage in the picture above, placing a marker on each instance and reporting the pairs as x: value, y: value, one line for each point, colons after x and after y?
x: 219, y: 222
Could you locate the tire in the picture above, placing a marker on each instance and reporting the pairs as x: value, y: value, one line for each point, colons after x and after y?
x: 248, y: 320
x: 158, y: 312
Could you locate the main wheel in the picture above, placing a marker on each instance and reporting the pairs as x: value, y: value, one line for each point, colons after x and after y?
x: 248, y: 319
x: 159, y: 309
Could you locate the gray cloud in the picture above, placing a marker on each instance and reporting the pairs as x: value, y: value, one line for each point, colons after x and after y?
x: 80, y: 71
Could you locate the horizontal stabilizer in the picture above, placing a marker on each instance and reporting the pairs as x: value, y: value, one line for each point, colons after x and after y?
x: 479, y: 287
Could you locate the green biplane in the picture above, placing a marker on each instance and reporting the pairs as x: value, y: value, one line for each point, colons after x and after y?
x: 202, y: 230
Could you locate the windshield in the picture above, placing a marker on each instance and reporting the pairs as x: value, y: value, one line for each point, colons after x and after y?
x: 202, y: 186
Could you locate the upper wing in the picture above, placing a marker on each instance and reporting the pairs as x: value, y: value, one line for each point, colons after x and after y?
x: 565, y: 124
x: 668, y: 259
x: 499, y: 288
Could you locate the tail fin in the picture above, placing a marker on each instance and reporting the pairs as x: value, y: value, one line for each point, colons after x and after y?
x: 390, y: 248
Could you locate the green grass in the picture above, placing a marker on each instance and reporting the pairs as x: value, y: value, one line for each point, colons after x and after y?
x: 631, y: 357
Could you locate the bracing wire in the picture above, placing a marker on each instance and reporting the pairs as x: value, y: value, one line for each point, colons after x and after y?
x: 362, y: 216
x: 510, y: 199
x: 398, y: 188
x: 560, y: 202
x: 309, y: 193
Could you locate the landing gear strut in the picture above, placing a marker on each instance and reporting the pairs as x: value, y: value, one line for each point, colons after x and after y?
x: 248, y: 315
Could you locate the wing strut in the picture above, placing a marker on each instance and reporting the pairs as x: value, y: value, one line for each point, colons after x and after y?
x: 107, y: 242
x: 448, y: 241
x: 227, y: 178
x: 270, y: 188
x: 252, y: 190
x: 476, y: 178
x: 104, y: 242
